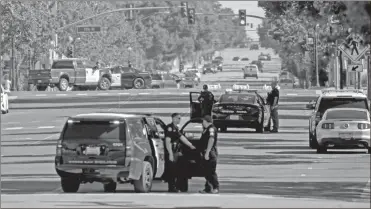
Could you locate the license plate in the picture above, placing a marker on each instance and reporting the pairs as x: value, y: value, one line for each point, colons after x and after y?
x: 92, y: 151
x: 88, y: 170
x: 345, y: 135
x: 39, y: 81
x: 234, y: 117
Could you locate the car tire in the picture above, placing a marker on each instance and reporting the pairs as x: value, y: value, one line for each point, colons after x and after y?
x: 313, y: 144
x: 110, y: 187
x: 63, y: 84
x: 104, y: 84
x: 260, y: 128
x: 144, y: 183
x: 70, y: 185
x: 369, y: 150
x: 321, y: 150
x: 139, y: 83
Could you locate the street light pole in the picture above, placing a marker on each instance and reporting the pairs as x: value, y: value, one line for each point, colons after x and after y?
x: 316, y: 55
x: 12, y: 72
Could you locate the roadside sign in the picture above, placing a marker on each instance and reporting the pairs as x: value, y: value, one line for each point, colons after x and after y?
x: 355, y: 68
x: 353, y: 48
x: 88, y: 29
x: 310, y: 41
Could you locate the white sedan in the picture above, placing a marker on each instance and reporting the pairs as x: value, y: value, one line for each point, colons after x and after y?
x: 344, y: 128
x: 4, y: 101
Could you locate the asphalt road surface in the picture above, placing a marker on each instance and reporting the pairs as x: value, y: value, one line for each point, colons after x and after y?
x: 255, y: 170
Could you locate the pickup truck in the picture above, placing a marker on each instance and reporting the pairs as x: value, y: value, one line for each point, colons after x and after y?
x: 70, y: 72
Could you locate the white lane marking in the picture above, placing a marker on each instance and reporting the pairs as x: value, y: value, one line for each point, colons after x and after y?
x: 81, y: 94
x: 102, y: 94
x: 124, y: 93
x: 310, y: 168
x: 46, y: 138
x: 164, y: 92
x: 9, y: 189
x: 185, y: 93
x: 143, y: 93
x: 14, y: 128
x: 291, y: 94
x: 40, y: 95
x: 302, y: 175
x: 10, y: 123
x: 35, y: 121
x: 61, y: 94
x: 45, y: 127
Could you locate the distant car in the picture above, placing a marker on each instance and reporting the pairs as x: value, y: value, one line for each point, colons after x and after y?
x: 127, y: 78
x: 110, y: 148
x: 236, y: 59
x: 266, y: 57
x: 167, y: 80
x: 250, y: 71
x: 209, y: 68
x: 218, y: 64
x: 219, y: 58
x: 342, y: 128
x: 259, y: 64
x: 245, y: 59
x: 286, y: 83
x: 4, y: 101
x: 254, y: 47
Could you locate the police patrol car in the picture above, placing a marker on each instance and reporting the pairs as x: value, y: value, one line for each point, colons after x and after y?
x: 332, y: 99
x: 241, y: 107
x: 4, y: 101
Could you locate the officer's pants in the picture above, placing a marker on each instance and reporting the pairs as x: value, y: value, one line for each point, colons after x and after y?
x: 206, y: 110
x: 171, y: 168
x: 275, y: 119
x: 211, y: 177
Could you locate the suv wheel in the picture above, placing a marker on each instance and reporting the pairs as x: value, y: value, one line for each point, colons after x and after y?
x: 63, y: 84
x: 104, y: 84
x: 110, y: 187
x: 70, y: 185
x: 139, y: 83
x: 144, y: 183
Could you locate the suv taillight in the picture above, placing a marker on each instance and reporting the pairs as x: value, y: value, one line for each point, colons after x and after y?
x: 363, y: 126
x: 59, y: 148
x: 328, y: 126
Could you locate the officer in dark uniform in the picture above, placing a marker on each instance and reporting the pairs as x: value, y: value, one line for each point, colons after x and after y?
x: 206, y: 100
x: 272, y: 100
x: 173, y: 137
x: 208, y: 148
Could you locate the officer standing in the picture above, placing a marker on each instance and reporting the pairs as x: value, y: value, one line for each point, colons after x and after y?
x: 206, y: 100
x: 172, y: 151
x: 209, y: 150
x: 272, y: 100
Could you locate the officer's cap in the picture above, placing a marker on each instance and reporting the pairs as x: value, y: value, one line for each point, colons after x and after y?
x: 208, y: 118
x: 205, y: 87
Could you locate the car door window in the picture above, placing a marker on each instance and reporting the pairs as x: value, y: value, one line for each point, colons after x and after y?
x: 136, y: 129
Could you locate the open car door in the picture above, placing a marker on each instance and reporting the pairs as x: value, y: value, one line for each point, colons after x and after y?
x: 192, y: 160
x: 195, y: 105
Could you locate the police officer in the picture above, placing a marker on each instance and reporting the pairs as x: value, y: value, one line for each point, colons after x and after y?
x: 173, y: 137
x: 206, y: 100
x: 209, y: 151
x: 272, y: 100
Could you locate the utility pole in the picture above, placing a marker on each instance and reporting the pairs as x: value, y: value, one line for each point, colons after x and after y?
x: 12, y: 72
x: 316, y: 55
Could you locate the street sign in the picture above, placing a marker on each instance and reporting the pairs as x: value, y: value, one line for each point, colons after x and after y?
x: 353, y: 48
x: 88, y: 29
x: 310, y: 41
x: 355, y: 68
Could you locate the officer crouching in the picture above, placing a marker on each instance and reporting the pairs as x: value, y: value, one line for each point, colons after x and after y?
x: 208, y: 148
x: 173, y: 137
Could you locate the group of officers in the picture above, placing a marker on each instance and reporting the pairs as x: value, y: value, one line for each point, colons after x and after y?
x: 176, y: 143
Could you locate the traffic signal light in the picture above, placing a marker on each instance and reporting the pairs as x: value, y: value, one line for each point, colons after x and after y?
x: 69, y: 52
x: 181, y: 67
x: 191, y: 16
x: 242, y: 16
x: 184, y: 9
x: 131, y: 12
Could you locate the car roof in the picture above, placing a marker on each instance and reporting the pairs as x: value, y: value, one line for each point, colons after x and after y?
x: 107, y: 116
x: 343, y: 95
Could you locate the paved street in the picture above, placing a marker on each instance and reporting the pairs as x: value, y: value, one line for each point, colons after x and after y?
x: 252, y: 167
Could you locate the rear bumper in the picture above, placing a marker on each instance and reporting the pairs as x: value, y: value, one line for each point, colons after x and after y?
x: 40, y: 82
x: 94, y: 172
x: 337, y: 142
x: 236, y: 123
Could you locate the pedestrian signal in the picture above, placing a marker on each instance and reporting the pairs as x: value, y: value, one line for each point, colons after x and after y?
x: 191, y: 16
x: 184, y: 9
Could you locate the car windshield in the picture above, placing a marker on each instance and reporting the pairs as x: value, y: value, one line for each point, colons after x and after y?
x: 327, y: 103
x: 346, y: 115
x: 98, y: 130
x: 238, y: 98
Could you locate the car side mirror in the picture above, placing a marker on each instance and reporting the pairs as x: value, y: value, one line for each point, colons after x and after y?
x: 189, y: 136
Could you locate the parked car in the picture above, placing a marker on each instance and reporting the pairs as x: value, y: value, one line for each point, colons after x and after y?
x: 254, y: 47
x: 250, y: 71
x: 209, y: 68
x: 127, y: 78
x: 236, y: 59
x: 68, y: 72
x: 259, y: 64
x: 4, y: 101
x: 266, y: 57
x: 110, y: 148
x: 167, y: 80
x: 245, y: 59
x: 218, y: 64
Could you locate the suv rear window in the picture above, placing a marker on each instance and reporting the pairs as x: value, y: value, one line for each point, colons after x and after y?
x: 100, y: 130
x: 327, y: 103
x: 347, y: 114
x: 238, y: 98
x: 63, y: 64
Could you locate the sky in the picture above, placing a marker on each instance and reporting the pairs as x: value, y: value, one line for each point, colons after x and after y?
x: 251, y: 8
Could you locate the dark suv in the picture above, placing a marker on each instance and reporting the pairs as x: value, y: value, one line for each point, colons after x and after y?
x: 110, y: 148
